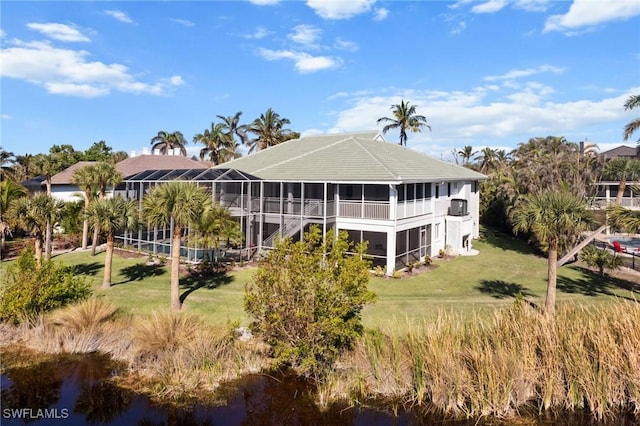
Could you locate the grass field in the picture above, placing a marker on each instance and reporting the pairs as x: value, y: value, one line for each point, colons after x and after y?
x: 504, y: 268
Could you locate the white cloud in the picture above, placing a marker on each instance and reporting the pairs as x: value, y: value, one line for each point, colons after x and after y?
x: 264, y: 2
x: 586, y: 13
x: 340, y: 9
x: 346, y: 45
x: 381, y: 14
x: 480, y: 118
x: 533, y: 5
x: 3, y: 34
x: 490, y: 6
x: 459, y: 28
x: 258, y: 34
x: 304, y: 62
x: 306, y: 35
x: 519, y: 73
x: 6, y: 117
x: 70, y: 72
x: 184, y: 22
x: 119, y: 15
x: 60, y: 32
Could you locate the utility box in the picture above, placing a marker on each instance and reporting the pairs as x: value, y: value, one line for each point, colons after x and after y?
x: 458, y: 207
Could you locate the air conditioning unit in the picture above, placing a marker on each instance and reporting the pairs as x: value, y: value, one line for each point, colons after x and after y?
x: 458, y: 207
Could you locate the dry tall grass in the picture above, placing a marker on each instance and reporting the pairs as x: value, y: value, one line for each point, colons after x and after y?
x: 586, y: 358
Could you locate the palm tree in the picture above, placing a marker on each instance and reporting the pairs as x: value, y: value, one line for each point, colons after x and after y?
x: 84, y: 178
x: 404, y: 118
x: 6, y: 157
x: 488, y: 160
x: 215, y: 227
x: 553, y: 217
x: 622, y: 170
x: 177, y: 204
x: 35, y: 214
x: 626, y: 220
x: 23, y: 167
x: 466, y: 153
x: 219, y: 145
x: 9, y: 193
x: 165, y: 142
x: 270, y: 131
x: 634, y: 125
x: 233, y: 127
x: 111, y: 215
x: 105, y: 175
x: 48, y: 166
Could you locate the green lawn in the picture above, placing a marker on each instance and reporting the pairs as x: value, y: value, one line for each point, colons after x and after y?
x: 504, y: 268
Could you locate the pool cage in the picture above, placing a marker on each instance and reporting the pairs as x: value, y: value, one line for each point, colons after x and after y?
x: 228, y: 187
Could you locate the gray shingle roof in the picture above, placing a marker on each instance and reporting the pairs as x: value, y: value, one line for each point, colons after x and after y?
x: 621, y: 151
x: 358, y: 157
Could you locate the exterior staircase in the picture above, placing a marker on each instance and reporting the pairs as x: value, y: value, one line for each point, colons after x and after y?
x: 581, y: 245
x: 293, y: 224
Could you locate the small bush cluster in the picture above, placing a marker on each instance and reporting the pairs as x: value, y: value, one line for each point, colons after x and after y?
x: 29, y: 290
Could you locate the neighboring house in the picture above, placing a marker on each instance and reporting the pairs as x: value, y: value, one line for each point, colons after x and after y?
x: 608, y: 190
x: 62, y: 187
x: 407, y: 205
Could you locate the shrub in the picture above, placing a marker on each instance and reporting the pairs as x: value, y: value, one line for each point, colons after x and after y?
x: 396, y: 275
x: 601, y: 259
x: 29, y: 291
x: 378, y: 271
x: 427, y: 261
x: 306, y: 300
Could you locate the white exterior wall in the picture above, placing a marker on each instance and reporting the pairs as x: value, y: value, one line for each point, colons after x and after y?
x: 66, y: 193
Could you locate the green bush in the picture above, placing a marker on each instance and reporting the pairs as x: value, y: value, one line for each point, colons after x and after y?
x: 28, y: 291
x: 306, y: 300
x: 601, y: 259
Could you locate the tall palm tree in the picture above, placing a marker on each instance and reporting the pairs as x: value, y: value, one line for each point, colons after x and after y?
x: 105, y: 175
x: 177, y: 204
x: 269, y: 130
x: 466, y: 153
x: 219, y: 145
x: 48, y: 166
x: 9, y: 193
x: 633, y: 125
x: 84, y: 178
x: 232, y: 126
x: 165, y: 142
x: 6, y: 157
x: 405, y: 119
x: 35, y: 214
x: 554, y: 218
x: 622, y: 170
x: 487, y: 159
x: 23, y: 167
x: 111, y: 215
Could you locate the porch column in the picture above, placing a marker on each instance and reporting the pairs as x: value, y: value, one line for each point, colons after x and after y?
x: 393, y: 202
x: 260, y: 226
x: 391, y: 250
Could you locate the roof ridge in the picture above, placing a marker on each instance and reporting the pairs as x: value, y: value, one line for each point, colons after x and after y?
x: 377, y: 160
x: 323, y: 147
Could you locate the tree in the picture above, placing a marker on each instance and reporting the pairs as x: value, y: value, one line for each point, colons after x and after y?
x: 488, y: 160
x: 177, y: 204
x: 626, y: 220
x: 633, y: 125
x: 601, y: 259
x: 215, y: 228
x: 6, y: 157
x: 99, y: 151
x: 84, y: 178
x: 35, y: 214
x: 23, y: 167
x: 111, y: 215
x: 405, y: 119
x: 270, y: 131
x: 307, y: 297
x: 622, y: 170
x: 66, y: 155
x: 554, y: 218
x: 232, y: 126
x: 219, y: 145
x: 105, y: 175
x: 48, y: 166
x: 165, y: 142
x: 9, y: 193
x: 466, y: 153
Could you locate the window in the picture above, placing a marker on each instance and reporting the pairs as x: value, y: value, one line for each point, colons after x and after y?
x: 437, y: 191
x: 448, y: 189
x: 400, y: 189
x: 436, y: 232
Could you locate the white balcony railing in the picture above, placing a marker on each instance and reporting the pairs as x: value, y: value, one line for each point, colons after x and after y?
x: 413, y: 208
x: 628, y: 202
x: 363, y: 210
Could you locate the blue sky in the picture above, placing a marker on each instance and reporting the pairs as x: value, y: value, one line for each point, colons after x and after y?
x: 484, y: 73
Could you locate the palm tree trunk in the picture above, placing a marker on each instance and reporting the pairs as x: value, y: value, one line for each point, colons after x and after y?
x: 176, y: 305
x: 85, y: 225
x: 96, y: 234
x: 552, y: 276
x: 106, y: 281
x: 47, y: 240
x: 621, y: 187
x: 37, y: 247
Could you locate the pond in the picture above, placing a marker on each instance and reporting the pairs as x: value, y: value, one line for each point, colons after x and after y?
x: 78, y: 390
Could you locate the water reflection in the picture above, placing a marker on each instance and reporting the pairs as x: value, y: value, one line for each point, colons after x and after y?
x: 76, y: 390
